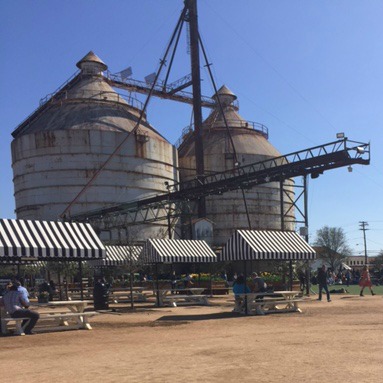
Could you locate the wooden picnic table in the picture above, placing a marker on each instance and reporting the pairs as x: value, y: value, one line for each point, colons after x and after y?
x: 266, y: 303
x: 187, y: 296
x: 125, y: 294
x: 63, y: 312
x: 54, y: 315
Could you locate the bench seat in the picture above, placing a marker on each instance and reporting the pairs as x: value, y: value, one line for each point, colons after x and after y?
x: 126, y: 296
x: 18, y: 321
x: 61, y: 317
x: 269, y: 306
x: 186, y: 299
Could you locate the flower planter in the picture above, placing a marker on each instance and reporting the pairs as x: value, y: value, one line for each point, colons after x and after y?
x: 217, y: 288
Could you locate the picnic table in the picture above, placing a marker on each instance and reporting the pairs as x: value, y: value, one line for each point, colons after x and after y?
x: 54, y: 315
x: 186, y: 296
x: 267, y: 303
x: 75, y: 294
x: 124, y: 294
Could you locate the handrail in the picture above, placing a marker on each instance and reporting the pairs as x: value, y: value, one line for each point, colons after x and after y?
x: 62, y: 95
x: 256, y: 126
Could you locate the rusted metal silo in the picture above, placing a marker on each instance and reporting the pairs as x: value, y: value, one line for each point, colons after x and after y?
x: 250, y: 140
x: 59, y: 147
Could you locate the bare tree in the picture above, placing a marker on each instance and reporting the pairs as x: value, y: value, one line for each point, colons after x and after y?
x: 378, y: 262
x: 333, y: 244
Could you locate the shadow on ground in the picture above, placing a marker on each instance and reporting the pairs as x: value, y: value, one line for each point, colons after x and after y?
x: 199, y: 317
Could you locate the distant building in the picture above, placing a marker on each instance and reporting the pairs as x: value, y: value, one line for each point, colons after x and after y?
x: 358, y: 261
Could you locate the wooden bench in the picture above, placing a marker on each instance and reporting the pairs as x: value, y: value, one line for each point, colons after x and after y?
x: 126, y: 296
x: 60, y: 317
x: 217, y: 291
x: 185, y: 299
x: 19, y: 327
x: 268, y: 306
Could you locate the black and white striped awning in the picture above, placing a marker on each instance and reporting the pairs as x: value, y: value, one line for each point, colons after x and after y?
x: 267, y: 245
x: 45, y: 240
x: 118, y: 256
x: 178, y: 250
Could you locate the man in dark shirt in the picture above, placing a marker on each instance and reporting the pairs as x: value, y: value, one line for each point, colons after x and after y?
x: 322, y: 282
x: 259, y: 283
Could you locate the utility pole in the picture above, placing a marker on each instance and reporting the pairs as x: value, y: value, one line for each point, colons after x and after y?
x: 191, y: 5
x: 363, y: 226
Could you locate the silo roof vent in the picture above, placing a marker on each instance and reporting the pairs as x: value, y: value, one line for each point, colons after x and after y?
x: 91, y: 64
x: 225, y: 95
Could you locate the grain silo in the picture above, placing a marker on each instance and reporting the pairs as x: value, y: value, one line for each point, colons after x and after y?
x: 227, y: 211
x: 59, y: 148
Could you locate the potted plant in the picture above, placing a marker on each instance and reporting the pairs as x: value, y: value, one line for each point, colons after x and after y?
x: 43, y: 297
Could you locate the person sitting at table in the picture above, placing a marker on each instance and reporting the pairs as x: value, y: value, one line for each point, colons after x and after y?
x: 259, y: 284
x: 20, y: 283
x: 188, y: 281
x: 45, y: 287
x: 240, y: 287
x: 53, y: 290
x: 17, y: 307
x: 173, y: 281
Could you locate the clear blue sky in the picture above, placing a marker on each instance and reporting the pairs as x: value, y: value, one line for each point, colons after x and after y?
x: 305, y: 69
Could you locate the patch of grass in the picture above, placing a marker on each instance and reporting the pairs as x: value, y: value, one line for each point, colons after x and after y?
x: 352, y: 289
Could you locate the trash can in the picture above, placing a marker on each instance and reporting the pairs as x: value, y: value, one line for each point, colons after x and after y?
x: 101, y: 295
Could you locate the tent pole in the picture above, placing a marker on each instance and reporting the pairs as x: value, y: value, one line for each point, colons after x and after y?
x: 245, y: 275
x: 291, y: 275
x: 210, y: 282
x: 131, y: 277
x: 80, y: 272
x: 157, y: 287
x: 60, y: 286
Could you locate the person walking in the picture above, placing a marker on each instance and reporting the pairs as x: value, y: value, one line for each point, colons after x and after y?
x: 365, y: 281
x: 348, y: 277
x: 322, y: 282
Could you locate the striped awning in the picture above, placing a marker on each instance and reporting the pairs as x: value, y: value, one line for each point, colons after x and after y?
x: 266, y: 245
x: 178, y: 250
x: 48, y: 240
x: 118, y: 256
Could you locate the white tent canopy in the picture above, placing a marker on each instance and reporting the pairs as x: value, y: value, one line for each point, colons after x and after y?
x: 246, y: 245
x: 320, y: 261
x: 178, y: 251
x: 48, y: 240
x: 118, y: 256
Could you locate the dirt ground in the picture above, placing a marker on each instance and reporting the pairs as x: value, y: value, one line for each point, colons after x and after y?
x: 340, y: 341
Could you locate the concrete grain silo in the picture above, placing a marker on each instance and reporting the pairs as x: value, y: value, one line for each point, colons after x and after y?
x: 59, y: 148
x: 227, y: 211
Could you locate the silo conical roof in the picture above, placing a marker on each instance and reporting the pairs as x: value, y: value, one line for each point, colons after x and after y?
x: 227, y: 98
x: 86, y: 102
x: 225, y: 93
x: 91, y: 57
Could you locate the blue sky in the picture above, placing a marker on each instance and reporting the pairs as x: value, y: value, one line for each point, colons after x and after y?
x: 305, y: 69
